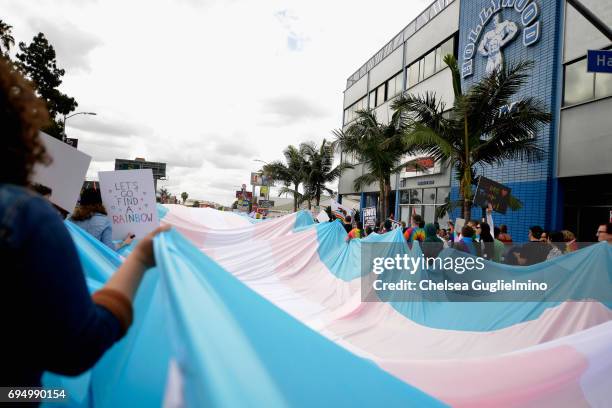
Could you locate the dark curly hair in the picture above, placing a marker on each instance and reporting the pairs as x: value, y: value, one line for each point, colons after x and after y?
x: 22, y: 114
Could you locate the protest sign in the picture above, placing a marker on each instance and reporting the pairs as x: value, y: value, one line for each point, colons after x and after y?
x: 492, y: 192
x: 266, y: 203
x: 129, y: 198
x: 395, y: 224
x: 243, y: 205
x: 459, y: 223
x: 340, y: 211
x: 369, y: 217
x: 65, y: 174
x: 244, y: 195
x: 258, y: 179
x: 322, y: 217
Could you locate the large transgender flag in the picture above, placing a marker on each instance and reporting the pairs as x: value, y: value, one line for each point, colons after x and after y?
x: 270, y: 314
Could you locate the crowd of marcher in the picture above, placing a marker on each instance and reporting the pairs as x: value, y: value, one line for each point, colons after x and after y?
x: 480, y: 238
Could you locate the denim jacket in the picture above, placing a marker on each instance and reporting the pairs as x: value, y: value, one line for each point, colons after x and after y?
x: 13, y: 200
x: 50, y: 320
x: 99, y: 226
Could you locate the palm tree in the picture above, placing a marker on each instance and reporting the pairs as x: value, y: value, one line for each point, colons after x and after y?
x: 379, y: 147
x: 6, y: 38
x: 184, y: 197
x: 478, y: 131
x: 164, y: 194
x: 291, y: 173
x: 319, y: 170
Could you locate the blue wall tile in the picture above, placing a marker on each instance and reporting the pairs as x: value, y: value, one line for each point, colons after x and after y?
x: 530, y: 182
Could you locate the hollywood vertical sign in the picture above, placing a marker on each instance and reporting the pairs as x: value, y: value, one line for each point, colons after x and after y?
x: 501, y: 34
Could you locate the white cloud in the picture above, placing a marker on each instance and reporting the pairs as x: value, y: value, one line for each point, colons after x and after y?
x: 284, y: 110
x: 207, y: 85
x: 72, y: 44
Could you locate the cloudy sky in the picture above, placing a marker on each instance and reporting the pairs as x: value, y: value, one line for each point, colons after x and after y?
x: 206, y: 85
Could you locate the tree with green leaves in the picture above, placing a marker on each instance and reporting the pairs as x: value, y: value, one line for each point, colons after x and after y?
x: 184, y: 196
x: 196, y: 204
x: 291, y: 173
x: 6, y: 39
x: 380, y: 148
x: 480, y: 130
x: 164, y: 194
x: 319, y: 169
x: 37, y: 61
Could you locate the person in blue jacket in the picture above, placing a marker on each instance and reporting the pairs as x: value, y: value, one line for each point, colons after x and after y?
x: 90, y: 215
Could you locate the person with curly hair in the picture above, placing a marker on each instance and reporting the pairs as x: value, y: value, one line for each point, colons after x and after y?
x: 50, y: 321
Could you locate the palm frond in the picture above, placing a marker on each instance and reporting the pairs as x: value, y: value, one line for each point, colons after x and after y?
x: 429, y: 142
x: 511, y: 136
x: 364, y: 181
x: 447, y: 207
x: 288, y: 191
x: 451, y: 62
x: 483, y: 102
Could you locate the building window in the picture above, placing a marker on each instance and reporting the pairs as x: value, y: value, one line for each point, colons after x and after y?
x: 431, y: 63
x: 582, y: 86
x: 429, y: 196
x: 603, y: 85
x: 424, y: 202
x: 413, y: 75
x: 350, y: 112
x: 394, y: 86
x: 578, y: 83
x: 421, y: 69
x: 439, y: 57
x: 429, y: 213
x: 380, y: 95
x: 372, y: 99
x: 446, y: 48
x: 443, y: 195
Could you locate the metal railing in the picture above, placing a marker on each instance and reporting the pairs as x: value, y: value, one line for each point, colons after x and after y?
x: 415, y: 25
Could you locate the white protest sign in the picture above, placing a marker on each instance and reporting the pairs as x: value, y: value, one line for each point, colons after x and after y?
x: 129, y: 198
x: 64, y: 175
x: 336, y: 207
x: 459, y: 223
x: 323, y: 217
x: 369, y: 217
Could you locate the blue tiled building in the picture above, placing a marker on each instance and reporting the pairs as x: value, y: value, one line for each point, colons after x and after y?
x: 572, y: 186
